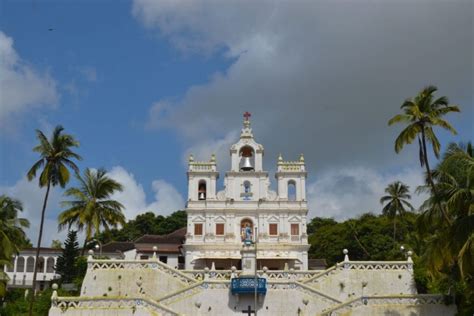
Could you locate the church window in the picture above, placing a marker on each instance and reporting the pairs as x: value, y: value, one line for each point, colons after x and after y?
x: 220, y: 229
x: 246, y: 187
x: 291, y: 190
x: 273, y: 229
x: 198, y: 229
x: 202, y: 190
x: 295, y: 229
x: 143, y: 257
x: 163, y: 259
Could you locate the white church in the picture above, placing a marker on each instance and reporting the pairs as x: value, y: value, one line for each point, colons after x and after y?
x: 217, y: 219
x: 246, y: 253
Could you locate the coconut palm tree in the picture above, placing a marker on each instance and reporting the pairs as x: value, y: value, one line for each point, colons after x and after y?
x: 91, y: 207
x: 56, y: 158
x: 397, y: 198
x: 11, y: 231
x: 453, y: 244
x: 11, y: 227
x: 422, y: 113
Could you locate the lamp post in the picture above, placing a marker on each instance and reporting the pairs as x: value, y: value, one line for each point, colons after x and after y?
x: 98, y: 246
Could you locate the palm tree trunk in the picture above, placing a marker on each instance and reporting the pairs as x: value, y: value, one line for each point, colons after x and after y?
x: 40, y: 235
x: 430, y: 178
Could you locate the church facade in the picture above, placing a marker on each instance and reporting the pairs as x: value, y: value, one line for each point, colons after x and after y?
x: 218, y: 220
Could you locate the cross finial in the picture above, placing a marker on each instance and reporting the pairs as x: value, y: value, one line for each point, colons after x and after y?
x: 247, y: 115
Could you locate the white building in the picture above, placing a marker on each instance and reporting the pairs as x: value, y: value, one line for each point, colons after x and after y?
x: 216, y: 220
x: 20, y: 274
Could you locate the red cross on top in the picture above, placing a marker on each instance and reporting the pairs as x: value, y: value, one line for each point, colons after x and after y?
x: 247, y: 115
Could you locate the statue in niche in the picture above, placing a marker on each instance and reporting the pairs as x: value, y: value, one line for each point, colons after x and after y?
x: 247, y: 234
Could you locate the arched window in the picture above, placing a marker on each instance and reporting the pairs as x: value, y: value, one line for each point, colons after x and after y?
x: 247, y: 159
x: 40, y: 264
x: 291, y: 190
x: 12, y: 266
x: 20, y: 264
x: 30, y: 264
x: 50, y: 265
x: 202, y: 190
x: 247, y: 188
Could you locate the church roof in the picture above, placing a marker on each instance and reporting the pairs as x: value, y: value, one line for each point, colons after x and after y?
x: 115, y: 246
x: 176, y: 237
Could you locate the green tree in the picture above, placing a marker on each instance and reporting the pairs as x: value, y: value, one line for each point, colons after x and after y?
x: 91, y: 207
x: 11, y: 234
x: 397, y: 198
x: 56, y: 244
x: 56, y: 157
x: 422, y: 113
x: 449, y: 255
x: 66, y: 263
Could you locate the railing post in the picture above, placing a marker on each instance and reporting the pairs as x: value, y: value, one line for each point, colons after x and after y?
x: 409, y: 260
x: 90, y: 258
x: 54, y: 296
x: 346, y: 258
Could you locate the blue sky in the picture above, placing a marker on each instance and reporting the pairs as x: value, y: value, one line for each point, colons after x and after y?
x: 141, y: 84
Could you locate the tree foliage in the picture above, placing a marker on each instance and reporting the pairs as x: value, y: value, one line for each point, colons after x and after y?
x: 12, y: 236
x: 146, y: 223
x: 56, y: 158
x: 91, y: 207
x: 66, y: 263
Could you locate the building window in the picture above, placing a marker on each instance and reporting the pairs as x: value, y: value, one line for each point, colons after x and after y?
x: 143, y: 257
x: 202, y: 190
x: 12, y: 266
x: 20, y: 264
x: 295, y: 229
x: 291, y: 190
x: 198, y: 229
x: 50, y: 265
x: 30, y: 264
x: 219, y: 229
x: 246, y: 187
x: 273, y: 229
x: 163, y: 259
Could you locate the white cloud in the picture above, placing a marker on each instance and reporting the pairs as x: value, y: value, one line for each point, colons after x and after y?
x: 166, y: 200
x: 319, y: 76
x: 133, y: 197
x: 32, y: 197
x: 348, y: 192
x: 22, y: 87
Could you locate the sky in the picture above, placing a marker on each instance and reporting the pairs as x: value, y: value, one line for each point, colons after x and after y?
x: 142, y: 84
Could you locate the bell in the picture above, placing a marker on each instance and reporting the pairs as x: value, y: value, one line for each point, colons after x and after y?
x: 202, y: 196
x: 246, y: 165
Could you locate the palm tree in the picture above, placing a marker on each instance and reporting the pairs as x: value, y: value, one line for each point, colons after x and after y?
x: 11, y: 232
x: 422, y: 113
x: 91, y: 207
x: 56, y: 159
x: 397, y: 197
x: 452, y: 244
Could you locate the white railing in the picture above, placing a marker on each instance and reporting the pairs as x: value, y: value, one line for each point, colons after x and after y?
x: 139, y: 264
x: 418, y: 299
x: 65, y: 303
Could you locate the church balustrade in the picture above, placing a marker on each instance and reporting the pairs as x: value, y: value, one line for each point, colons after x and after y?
x: 81, y: 303
x: 418, y: 299
x: 152, y: 263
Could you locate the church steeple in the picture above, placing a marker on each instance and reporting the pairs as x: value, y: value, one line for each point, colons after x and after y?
x: 246, y: 154
x: 246, y: 130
